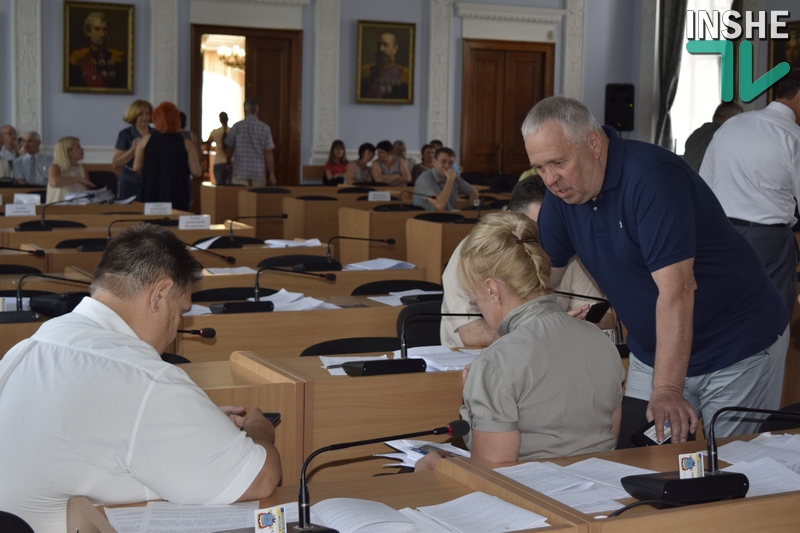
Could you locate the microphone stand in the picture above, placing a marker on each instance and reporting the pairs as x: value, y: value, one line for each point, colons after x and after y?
x: 43, y: 226
x: 20, y: 316
x: 237, y: 242
x: 457, y: 428
x: 713, y: 486
x: 227, y: 258
x: 38, y: 252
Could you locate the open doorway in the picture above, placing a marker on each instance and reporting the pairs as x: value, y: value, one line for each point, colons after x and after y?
x: 223, y: 87
x: 271, y: 73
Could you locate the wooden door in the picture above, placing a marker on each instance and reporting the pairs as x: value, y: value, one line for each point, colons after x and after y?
x: 273, y: 68
x: 501, y: 81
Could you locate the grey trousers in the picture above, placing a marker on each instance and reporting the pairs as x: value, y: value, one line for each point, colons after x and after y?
x: 777, y: 249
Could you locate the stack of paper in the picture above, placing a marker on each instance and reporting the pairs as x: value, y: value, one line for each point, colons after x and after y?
x: 587, y: 486
x: 100, y: 196
x: 284, y: 300
x: 782, y: 450
x: 411, y: 451
x: 480, y: 512
x: 197, y: 309
x: 165, y: 516
x: 287, y: 243
x: 441, y: 358
x: 204, y: 245
x: 394, y: 297
x: 379, y: 264
x: 234, y: 270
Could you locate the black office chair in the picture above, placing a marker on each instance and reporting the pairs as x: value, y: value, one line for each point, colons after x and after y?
x: 354, y: 190
x: 475, y: 178
x: 227, y: 294
x: 397, y: 207
x: 317, y: 198
x: 634, y: 418
x: 104, y: 178
x: 291, y: 260
x: 270, y: 190
x: 223, y: 241
x: 11, y: 523
x: 353, y: 345
x: 503, y: 182
x: 29, y: 225
x: 498, y: 204
x: 333, y: 181
x: 438, y: 216
x: 174, y: 359
x: 394, y: 285
x: 6, y: 269
x: 86, y: 243
x: 781, y: 423
x: 421, y: 330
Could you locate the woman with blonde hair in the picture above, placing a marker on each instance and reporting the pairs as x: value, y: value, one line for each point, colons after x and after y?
x: 138, y: 116
x: 66, y: 176
x: 551, y: 385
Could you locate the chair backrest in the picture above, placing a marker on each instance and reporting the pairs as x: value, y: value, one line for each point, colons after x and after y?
x: 174, y: 359
x: 18, y: 269
x: 270, y: 190
x: 353, y: 345
x: 437, y: 216
x: 104, y: 178
x: 397, y: 207
x: 354, y: 190
x: 291, y: 260
x: 475, y: 178
x: 420, y: 330
x: 781, y: 423
x: 74, y: 243
x: 333, y: 181
x: 11, y: 523
x: 228, y: 294
x: 317, y: 198
x: 503, y: 182
x: 394, y: 285
x: 26, y: 293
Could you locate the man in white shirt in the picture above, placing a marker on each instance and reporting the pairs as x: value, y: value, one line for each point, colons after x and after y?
x: 753, y: 167
x: 32, y: 166
x: 456, y: 332
x: 87, y: 406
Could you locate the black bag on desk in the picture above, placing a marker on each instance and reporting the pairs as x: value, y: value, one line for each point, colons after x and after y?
x: 53, y: 305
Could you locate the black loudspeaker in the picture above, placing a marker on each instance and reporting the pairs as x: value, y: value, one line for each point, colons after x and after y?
x: 619, y: 106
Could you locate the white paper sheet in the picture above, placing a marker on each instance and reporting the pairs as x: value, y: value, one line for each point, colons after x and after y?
x: 166, y: 517
x: 204, y: 245
x: 328, y: 361
x: 394, y: 298
x: 126, y: 519
x: 379, y: 264
x: 125, y: 201
x: 233, y: 270
x: 740, y: 451
x: 197, y: 309
x: 440, y: 358
x: 480, y: 512
x: 286, y: 243
x: 766, y: 476
x: 606, y: 472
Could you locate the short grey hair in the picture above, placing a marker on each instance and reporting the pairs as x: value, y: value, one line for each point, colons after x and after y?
x: 575, y: 117
x: 251, y: 106
x: 34, y: 134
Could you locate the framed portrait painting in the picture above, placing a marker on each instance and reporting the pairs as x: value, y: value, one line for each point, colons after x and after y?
x: 385, y: 63
x: 98, y: 47
x: 787, y: 50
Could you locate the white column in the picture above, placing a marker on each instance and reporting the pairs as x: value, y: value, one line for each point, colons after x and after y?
x: 164, y: 51
x: 26, y: 54
x: 439, y: 70
x: 326, y: 78
x: 573, y: 64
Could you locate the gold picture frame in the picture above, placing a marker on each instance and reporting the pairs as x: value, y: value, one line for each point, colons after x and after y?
x: 98, y: 47
x: 385, y: 63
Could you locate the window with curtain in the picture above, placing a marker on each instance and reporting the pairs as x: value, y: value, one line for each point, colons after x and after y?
x: 698, y: 93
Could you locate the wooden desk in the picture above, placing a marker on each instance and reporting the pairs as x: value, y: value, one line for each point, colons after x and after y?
x: 373, y: 225
x: 345, y: 409
x: 244, y: 380
x: 427, y: 488
x: 49, y: 239
x: 779, y: 512
x: 285, y: 334
x: 90, y: 220
x: 250, y: 255
x: 220, y: 201
x: 11, y: 334
x: 311, y: 218
x: 132, y: 208
x: 430, y: 244
x: 10, y: 257
x: 9, y: 192
x: 310, y: 286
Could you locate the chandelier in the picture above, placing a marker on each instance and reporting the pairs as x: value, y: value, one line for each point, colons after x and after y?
x: 232, y: 57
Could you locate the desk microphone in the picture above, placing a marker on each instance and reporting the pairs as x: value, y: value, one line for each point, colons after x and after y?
x: 50, y: 305
x: 330, y: 263
x: 237, y: 242
x: 229, y: 259
x: 41, y: 225
x: 713, y: 486
x: 206, y: 333
x: 457, y: 428
x: 38, y: 252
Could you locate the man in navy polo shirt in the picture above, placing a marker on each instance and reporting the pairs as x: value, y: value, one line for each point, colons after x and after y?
x: 706, y: 327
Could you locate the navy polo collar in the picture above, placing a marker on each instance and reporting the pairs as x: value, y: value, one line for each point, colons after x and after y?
x: 613, y: 160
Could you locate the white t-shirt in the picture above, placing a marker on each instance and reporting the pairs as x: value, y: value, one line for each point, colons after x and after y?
x: 87, y: 408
